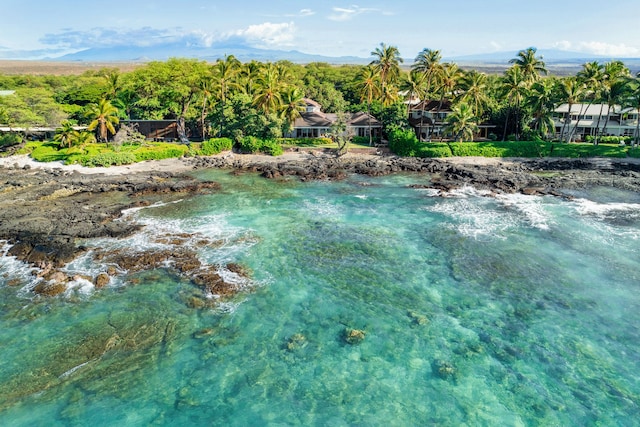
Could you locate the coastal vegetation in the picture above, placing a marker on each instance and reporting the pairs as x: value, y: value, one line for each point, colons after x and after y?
x: 253, y: 106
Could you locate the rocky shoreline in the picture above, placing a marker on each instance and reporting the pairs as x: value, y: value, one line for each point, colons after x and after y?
x: 45, y: 213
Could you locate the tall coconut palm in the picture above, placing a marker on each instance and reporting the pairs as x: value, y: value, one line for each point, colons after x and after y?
x: 268, y: 95
x: 292, y: 105
x: 387, y: 62
x: 462, y: 123
x: 103, y: 117
x: 531, y: 65
x: 541, y: 100
x: 428, y: 63
x: 414, y: 86
x: 248, y: 75
x: 64, y: 134
x: 614, y: 86
x: 225, y: 72
x: 368, y: 86
x: 592, y: 78
x: 634, y: 101
x: 474, y: 91
x: 571, y: 92
x: 513, y: 89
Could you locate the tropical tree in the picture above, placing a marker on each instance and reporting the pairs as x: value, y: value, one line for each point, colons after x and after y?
x: 634, y: 102
x: 387, y: 63
x: 530, y: 65
x: 64, y: 134
x: 541, y: 99
x: 293, y: 105
x: 414, y: 86
x: 225, y: 72
x: 461, y: 123
x: 268, y: 95
x: 103, y: 117
x: 473, y: 90
x: 571, y: 92
x: 428, y: 63
x: 513, y: 89
x: 367, y: 84
x: 83, y: 138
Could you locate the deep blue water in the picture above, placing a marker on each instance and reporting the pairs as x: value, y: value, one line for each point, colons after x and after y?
x: 476, y: 310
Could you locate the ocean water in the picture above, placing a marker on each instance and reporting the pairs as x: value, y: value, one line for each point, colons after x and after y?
x: 468, y: 309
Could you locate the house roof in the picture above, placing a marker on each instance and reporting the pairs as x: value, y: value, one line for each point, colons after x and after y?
x: 312, y: 103
x: 432, y: 105
x: 325, y: 120
x: 587, y: 110
x: 363, y: 119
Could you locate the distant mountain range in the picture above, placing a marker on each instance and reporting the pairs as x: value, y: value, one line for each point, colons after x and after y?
x: 554, y: 58
x: 162, y: 52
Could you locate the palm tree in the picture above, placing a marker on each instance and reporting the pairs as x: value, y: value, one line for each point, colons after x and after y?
x: 249, y: 74
x: 292, y: 105
x: 387, y: 63
x: 114, y: 84
x: 103, y: 116
x: 514, y: 88
x: 268, y: 90
x: 592, y: 77
x: 224, y: 75
x: 541, y: 100
x: 414, y: 86
x: 428, y: 63
x: 614, y: 88
x: 571, y: 91
x: 83, y: 138
x: 530, y: 65
x: 64, y: 134
x: 462, y: 123
x: 634, y: 101
x: 368, y: 87
x: 473, y: 91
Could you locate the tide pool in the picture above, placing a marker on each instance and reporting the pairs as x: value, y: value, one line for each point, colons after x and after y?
x: 475, y: 310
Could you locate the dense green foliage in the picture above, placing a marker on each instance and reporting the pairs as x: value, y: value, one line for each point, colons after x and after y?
x: 251, y: 144
x: 10, y: 139
x: 306, y: 142
x: 501, y: 149
x: 403, y: 142
x: 253, y: 105
x: 216, y: 146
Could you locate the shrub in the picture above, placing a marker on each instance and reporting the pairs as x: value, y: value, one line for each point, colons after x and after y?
x: 403, y: 142
x: 160, y: 151
x: 501, y: 149
x: 434, y: 149
x: 216, y: 146
x: 251, y: 144
x: 48, y: 153
x: 9, y: 139
x: 107, y: 159
x: 271, y: 147
x: 634, y: 152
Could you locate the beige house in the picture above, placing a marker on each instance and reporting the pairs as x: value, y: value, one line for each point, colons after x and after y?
x: 314, y: 123
x: 584, y: 120
x: 428, y: 119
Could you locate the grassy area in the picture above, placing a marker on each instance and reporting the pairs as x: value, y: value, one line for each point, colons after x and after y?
x: 108, y: 155
x: 531, y: 149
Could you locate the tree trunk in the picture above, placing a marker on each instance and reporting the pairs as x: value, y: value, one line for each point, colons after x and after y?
x: 506, y: 124
x: 595, y: 140
x: 637, y: 138
x: 572, y: 132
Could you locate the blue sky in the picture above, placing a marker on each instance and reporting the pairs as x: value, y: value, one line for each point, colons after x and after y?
x: 32, y: 29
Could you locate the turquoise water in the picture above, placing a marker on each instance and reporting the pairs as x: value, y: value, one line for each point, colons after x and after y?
x: 476, y: 310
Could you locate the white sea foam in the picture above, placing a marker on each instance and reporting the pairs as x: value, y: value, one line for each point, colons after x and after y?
x: 322, y: 207
x: 532, y: 207
x: 472, y: 219
x: 604, y: 210
x: 72, y: 370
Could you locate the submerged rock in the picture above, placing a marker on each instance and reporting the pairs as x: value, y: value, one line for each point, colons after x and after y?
x: 296, y: 342
x: 354, y: 336
x: 444, y: 369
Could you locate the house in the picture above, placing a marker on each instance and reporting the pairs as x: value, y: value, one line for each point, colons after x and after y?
x: 314, y: 123
x: 590, y: 119
x: 157, y: 130
x: 428, y: 119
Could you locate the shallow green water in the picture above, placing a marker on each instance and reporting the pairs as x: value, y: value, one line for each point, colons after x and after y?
x: 476, y: 310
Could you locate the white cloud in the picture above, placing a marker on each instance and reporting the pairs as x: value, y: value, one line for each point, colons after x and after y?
x: 344, y: 14
x: 268, y: 34
x: 306, y: 12
x: 620, y: 50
